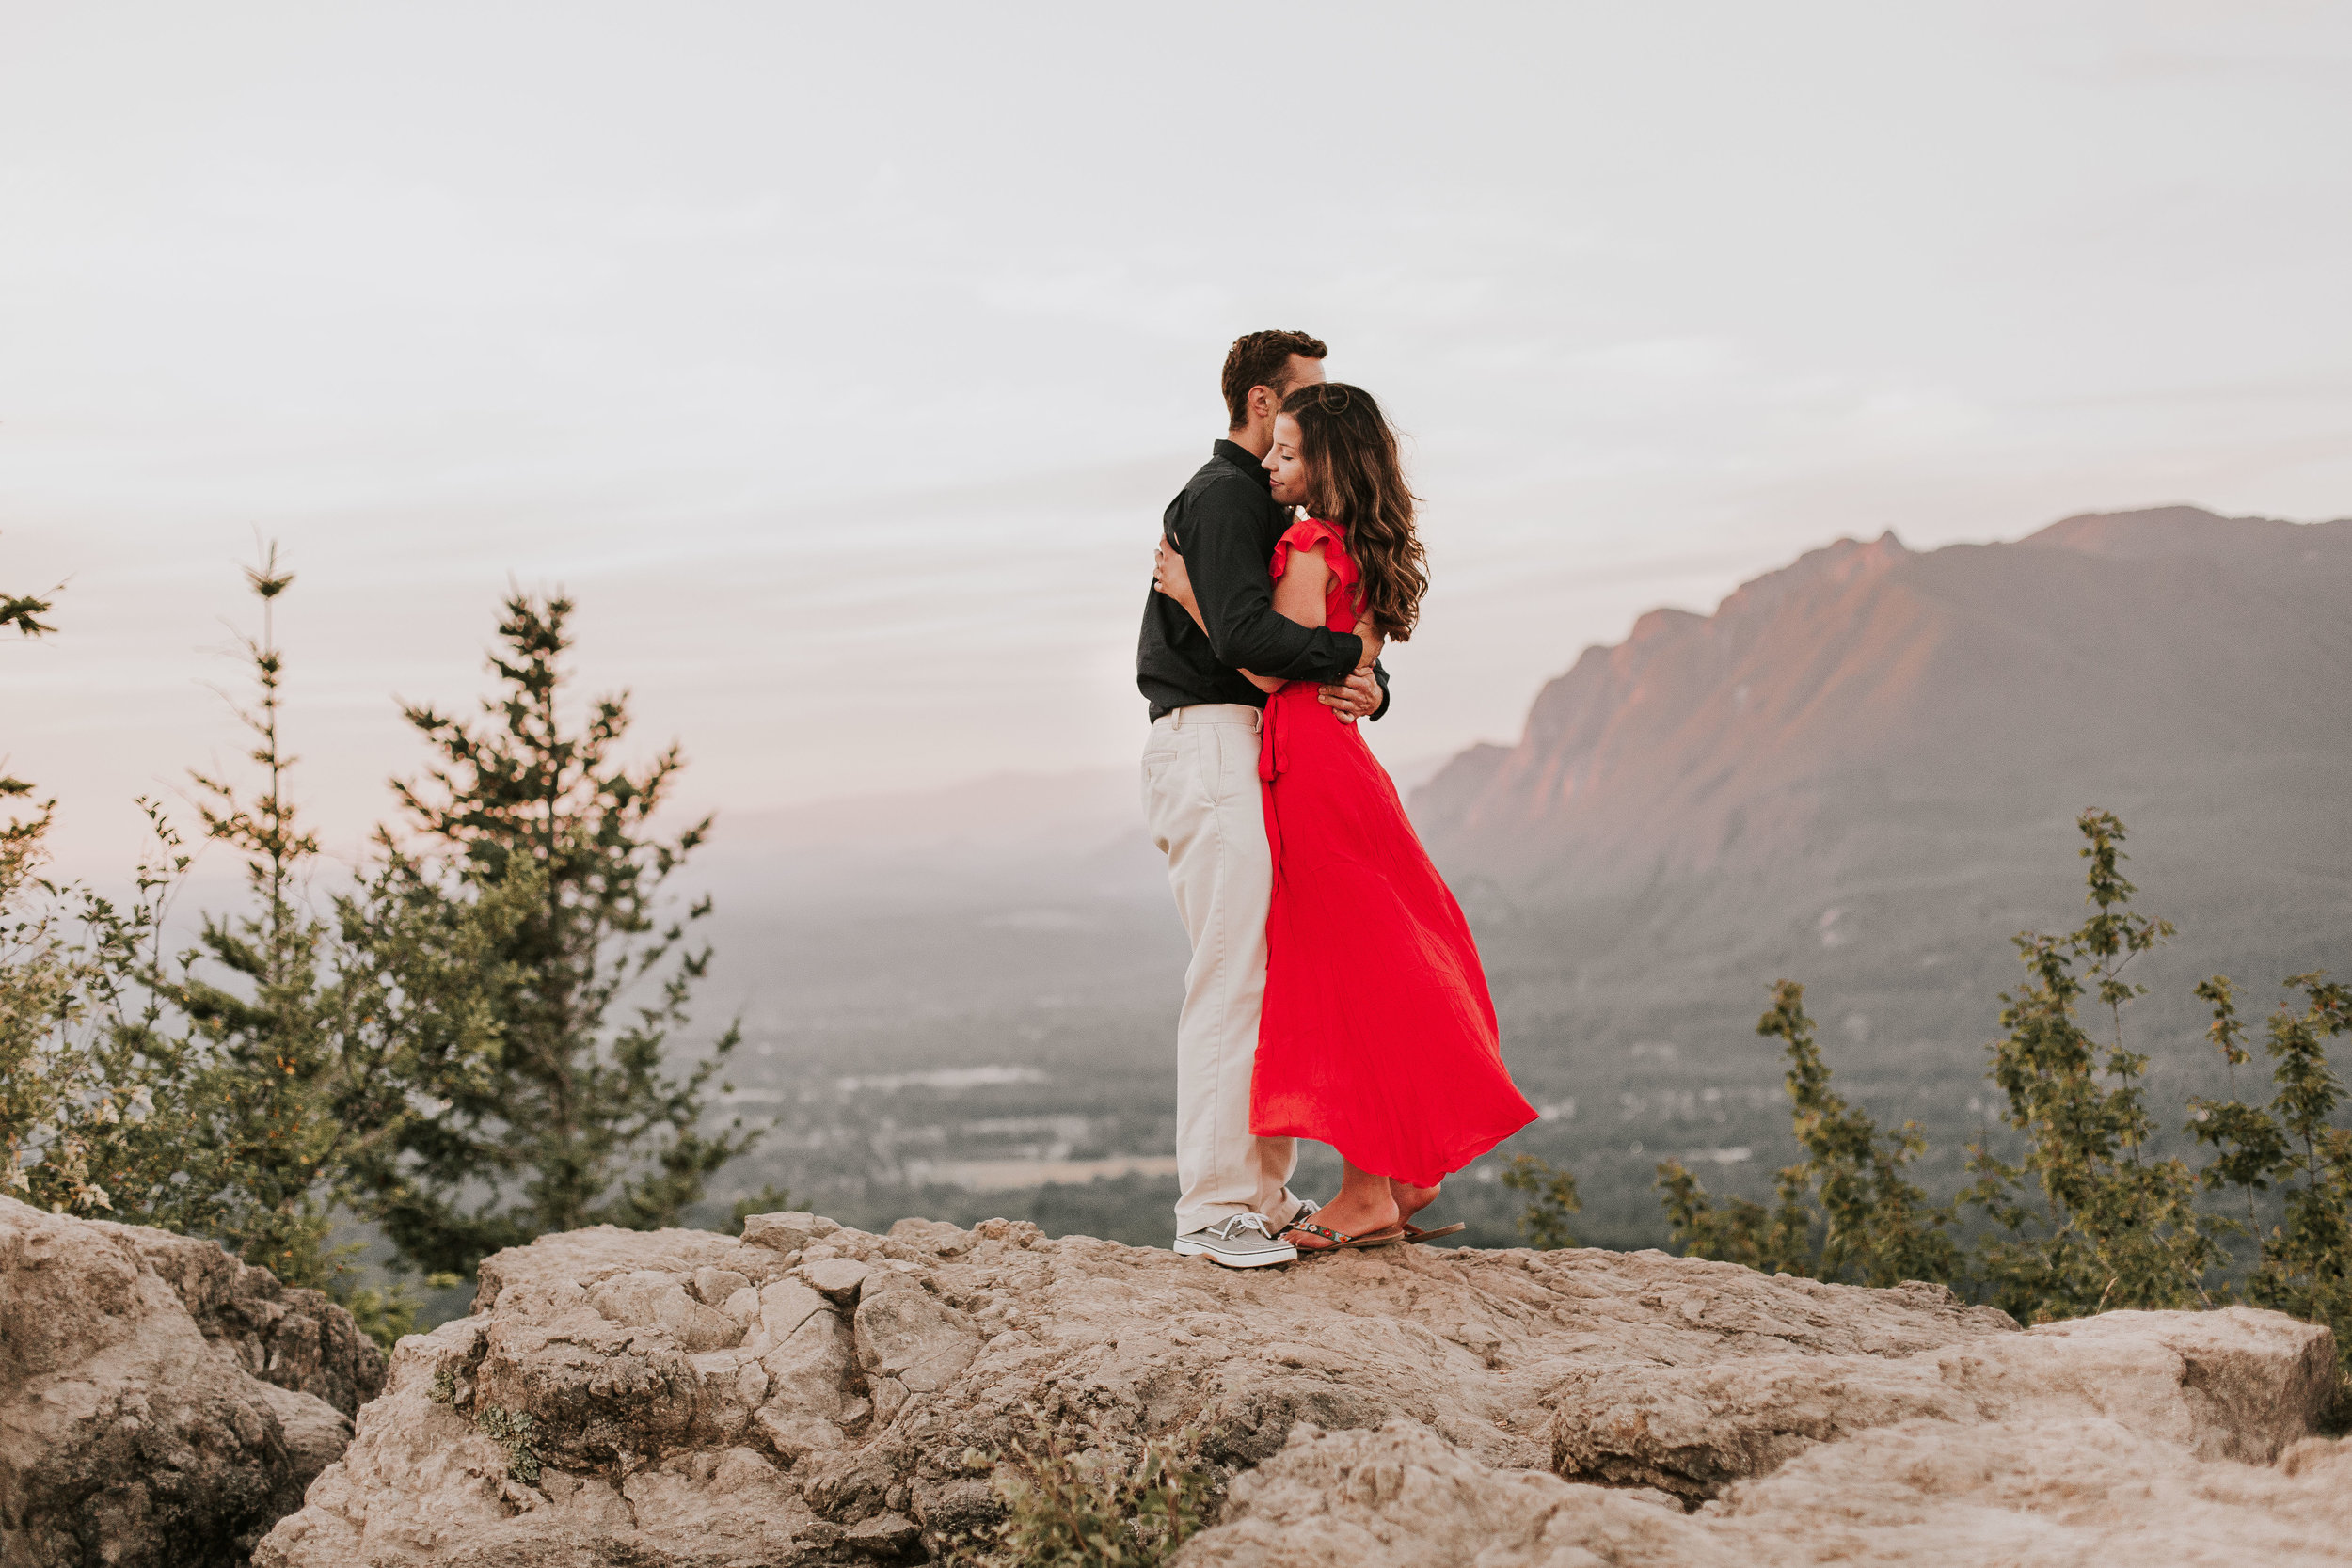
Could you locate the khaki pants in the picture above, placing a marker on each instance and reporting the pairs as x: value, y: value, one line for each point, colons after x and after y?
x: 1202, y: 805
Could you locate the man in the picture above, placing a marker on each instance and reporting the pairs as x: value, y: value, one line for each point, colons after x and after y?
x: 1202, y: 802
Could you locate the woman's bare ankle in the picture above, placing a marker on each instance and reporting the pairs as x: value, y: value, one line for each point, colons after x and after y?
x: 1411, y: 1200
x: 1358, y: 1214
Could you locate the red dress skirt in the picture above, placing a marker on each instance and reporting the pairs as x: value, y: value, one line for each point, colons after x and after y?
x: 1377, y: 1035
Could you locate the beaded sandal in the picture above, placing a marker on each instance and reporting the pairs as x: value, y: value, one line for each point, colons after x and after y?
x: 1340, y: 1240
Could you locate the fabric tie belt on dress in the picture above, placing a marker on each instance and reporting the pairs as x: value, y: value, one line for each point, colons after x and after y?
x: 1274, y: 761
x: 1271, y: 747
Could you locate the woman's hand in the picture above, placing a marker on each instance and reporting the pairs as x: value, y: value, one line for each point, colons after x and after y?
x: 1359, y: 695
x: 1170, y: 578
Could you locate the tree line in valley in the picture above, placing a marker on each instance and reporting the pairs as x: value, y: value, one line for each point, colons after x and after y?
x: 468, y: 1046
x: 2084, y: 1218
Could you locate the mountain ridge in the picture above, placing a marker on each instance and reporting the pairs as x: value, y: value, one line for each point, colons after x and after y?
x: 2126, y: 635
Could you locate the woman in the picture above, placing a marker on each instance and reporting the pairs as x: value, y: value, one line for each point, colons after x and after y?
x: 1377, y: 1035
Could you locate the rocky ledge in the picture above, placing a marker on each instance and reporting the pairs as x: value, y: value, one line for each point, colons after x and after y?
x: 812, y: 1394
x: 160, y: 1402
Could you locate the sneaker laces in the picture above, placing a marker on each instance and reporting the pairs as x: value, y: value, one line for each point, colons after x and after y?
x: 1224, y: 1229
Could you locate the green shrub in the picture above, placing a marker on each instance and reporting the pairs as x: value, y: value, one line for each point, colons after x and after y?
x: 2086, y: 1220
x: 512, y: 1430
x: 2304, y: 1265
x: 1552, y: 1198
x: 1845, y: 1212
x: 1101, y: 1506
x: 99, y: 1110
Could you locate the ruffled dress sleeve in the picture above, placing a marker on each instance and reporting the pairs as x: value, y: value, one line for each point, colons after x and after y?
x: 1308, y: 532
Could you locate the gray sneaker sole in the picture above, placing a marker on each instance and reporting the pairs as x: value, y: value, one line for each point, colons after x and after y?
x: 1260, y: 1259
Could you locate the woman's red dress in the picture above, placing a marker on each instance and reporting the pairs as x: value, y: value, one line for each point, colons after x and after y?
x: 1377, y: 1036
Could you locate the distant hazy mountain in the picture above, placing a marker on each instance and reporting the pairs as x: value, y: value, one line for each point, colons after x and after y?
x: 1869, y: 702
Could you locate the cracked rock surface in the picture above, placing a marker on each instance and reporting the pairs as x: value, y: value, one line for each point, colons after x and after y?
x: 160, y: 1402
x: 809, y: 1394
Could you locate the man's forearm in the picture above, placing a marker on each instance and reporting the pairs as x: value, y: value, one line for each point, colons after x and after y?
x: 1267, y: 684
x: 1237, y: 600
x: 1273, y: 644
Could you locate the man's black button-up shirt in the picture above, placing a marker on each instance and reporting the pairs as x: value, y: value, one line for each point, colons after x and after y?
x: 1226, y: 524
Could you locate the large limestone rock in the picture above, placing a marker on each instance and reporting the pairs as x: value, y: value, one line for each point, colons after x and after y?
x: 160, y: 1402
x: 2089, y: 1492
x: 809, y: 1395
x: 286, y: 1336
x: 2163, y: 1437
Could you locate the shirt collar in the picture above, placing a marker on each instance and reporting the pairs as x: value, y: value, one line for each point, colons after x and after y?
x: 1248, y: 462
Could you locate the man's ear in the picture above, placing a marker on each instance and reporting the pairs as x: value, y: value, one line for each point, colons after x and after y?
x: 1263, y: 401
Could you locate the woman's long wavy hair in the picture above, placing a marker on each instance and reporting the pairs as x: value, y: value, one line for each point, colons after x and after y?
x: 1354, y: 478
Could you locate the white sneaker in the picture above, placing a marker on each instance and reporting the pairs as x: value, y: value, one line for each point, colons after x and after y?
x: 1239, y: 1241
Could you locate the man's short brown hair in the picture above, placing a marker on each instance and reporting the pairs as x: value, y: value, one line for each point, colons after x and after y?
x: 1262, y: 359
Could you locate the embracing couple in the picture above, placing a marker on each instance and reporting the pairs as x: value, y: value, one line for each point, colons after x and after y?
x: 1334, y: 991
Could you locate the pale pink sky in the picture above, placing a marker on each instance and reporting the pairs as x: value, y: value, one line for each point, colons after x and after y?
x: 840, y: 359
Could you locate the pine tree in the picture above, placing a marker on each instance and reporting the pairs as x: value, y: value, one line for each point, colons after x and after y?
x: 250, y: 990
x: 573, y: 1118
x: 310, y: 1046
